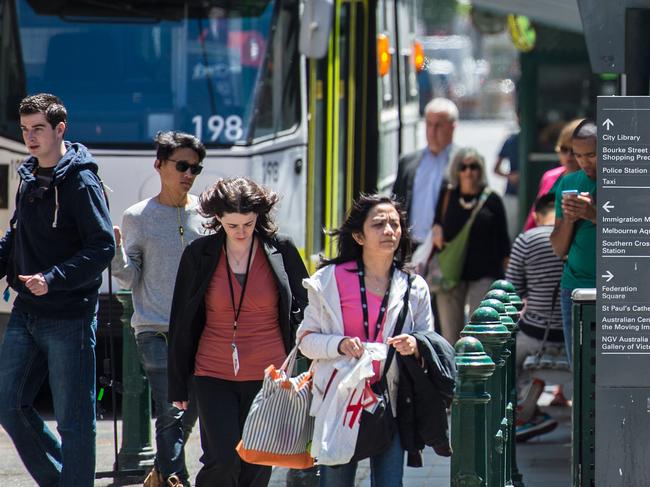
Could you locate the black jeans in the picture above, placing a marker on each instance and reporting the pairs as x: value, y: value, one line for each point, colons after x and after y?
x: 223, y: 406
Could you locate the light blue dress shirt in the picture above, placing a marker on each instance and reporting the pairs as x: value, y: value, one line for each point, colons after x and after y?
x: 426, y: 191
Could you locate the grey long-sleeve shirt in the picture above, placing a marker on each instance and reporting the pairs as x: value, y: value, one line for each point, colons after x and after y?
x: 148, y: 258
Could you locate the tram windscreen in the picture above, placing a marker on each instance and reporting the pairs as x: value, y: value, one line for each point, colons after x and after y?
x: 125, y: 78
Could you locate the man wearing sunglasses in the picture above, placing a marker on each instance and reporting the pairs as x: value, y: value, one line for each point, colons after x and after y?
x: 150, y: 243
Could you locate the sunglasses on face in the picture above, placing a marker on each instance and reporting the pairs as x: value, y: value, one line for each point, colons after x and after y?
x: 472, y: 166
x: 565, y: 149
x: 182, y: 166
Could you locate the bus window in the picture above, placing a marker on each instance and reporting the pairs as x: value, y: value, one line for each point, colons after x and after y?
x: 199, y: 69
x: 278, y: 103
x: 11, y: 75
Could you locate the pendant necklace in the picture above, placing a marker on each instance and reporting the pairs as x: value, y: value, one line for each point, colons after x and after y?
x: 181, y: 229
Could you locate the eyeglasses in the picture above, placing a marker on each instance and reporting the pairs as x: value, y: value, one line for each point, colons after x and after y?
x: 182, y: 166
x: 472, y: 166
x: 565, y: 149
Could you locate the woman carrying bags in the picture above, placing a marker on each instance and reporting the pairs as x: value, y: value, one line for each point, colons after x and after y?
x: 470, y: 220
x: 355, y: 299
x: 237, y: 299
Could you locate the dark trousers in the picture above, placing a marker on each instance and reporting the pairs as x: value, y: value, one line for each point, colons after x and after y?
x: 223, y: 406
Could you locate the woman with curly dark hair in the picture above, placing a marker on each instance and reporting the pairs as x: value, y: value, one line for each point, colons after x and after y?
x: 237, y: 301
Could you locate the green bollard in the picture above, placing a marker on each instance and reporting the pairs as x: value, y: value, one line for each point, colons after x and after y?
x: 514, y: 305
x: 469, y: 465
x: 485, y: 325
x: 509, y: 385
x: 136, y: 451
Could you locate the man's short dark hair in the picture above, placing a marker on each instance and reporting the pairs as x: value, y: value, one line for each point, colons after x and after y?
x: 168, y: 142
x: 49, y: 105
x: 586, y: 129
x: 545, y: 203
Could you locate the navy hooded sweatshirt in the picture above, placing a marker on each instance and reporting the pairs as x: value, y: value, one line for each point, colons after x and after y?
x: 64, y: 232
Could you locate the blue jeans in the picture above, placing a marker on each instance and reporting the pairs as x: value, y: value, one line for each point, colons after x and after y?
x: 173, y: 426
x: 32, y: 347
x: 386, y: 469
x: 567, y: 318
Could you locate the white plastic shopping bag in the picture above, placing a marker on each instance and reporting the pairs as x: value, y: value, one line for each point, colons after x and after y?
x: 336, y: 426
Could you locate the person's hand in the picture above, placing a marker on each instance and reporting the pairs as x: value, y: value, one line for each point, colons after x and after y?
x: 351, y: 347
x: 404, y: 344
x: 438, y: 239
x: 180, y: 405
x: 118, y: 235
x: 35, y: 283
x: 579, y: 207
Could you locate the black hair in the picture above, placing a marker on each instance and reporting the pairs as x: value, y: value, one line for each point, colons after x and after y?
x: 239, y: 195
x: 168, y: 142
x: 49, y: 105
x: 586, y: 129
x: 349, y: 249
x: 545, y: 203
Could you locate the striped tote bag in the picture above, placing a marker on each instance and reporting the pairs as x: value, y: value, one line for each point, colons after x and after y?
x: 278, y: 429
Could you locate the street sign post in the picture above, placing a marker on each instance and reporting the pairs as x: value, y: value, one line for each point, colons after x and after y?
x: 623, y: 292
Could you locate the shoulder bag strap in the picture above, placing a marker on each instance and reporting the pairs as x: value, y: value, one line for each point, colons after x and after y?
x: 485, y: 194
x: 445, y: 204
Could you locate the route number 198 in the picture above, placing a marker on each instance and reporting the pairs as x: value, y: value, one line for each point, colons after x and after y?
x: 230, y: 127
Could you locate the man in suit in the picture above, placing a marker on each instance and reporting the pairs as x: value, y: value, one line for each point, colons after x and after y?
x: 420, y: 174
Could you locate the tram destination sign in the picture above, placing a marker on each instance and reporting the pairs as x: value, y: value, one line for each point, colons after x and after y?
x: 623, y: 242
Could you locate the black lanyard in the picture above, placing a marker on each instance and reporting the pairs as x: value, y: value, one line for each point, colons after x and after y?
x: 237, y: 310
x: 364, y: 300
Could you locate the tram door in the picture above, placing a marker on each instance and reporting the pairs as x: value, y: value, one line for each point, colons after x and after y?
x: 338, y: 103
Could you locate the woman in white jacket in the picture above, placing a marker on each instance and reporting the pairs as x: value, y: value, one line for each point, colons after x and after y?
x: 356, y: 298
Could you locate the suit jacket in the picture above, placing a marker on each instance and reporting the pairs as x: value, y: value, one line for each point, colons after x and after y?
x: 187, y: 318
x: 408, y: 166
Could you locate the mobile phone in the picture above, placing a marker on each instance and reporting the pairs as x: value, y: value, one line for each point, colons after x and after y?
x: 569, y: 192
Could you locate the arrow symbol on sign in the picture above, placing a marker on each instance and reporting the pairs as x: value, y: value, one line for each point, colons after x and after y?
x: 608, y: 124
x: 608, y: 275
x: 607, y: 206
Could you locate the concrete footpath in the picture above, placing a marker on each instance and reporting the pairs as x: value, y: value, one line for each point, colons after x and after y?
x: 544, y: 461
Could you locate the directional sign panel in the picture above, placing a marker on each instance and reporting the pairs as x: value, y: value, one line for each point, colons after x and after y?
x: 623, y: 278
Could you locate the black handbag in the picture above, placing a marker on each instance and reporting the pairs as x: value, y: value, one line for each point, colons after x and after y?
x: 377, y: 428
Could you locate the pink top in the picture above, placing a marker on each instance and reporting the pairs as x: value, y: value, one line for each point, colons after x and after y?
x: 545, y: 185
x: 350, y: 295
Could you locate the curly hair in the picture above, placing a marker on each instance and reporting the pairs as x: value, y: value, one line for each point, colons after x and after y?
x: 349, y: 249
x: 239, y: 195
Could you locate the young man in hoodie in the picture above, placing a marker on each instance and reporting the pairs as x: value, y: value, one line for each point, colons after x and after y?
x: 59, y: 242
x: 150, y: 243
